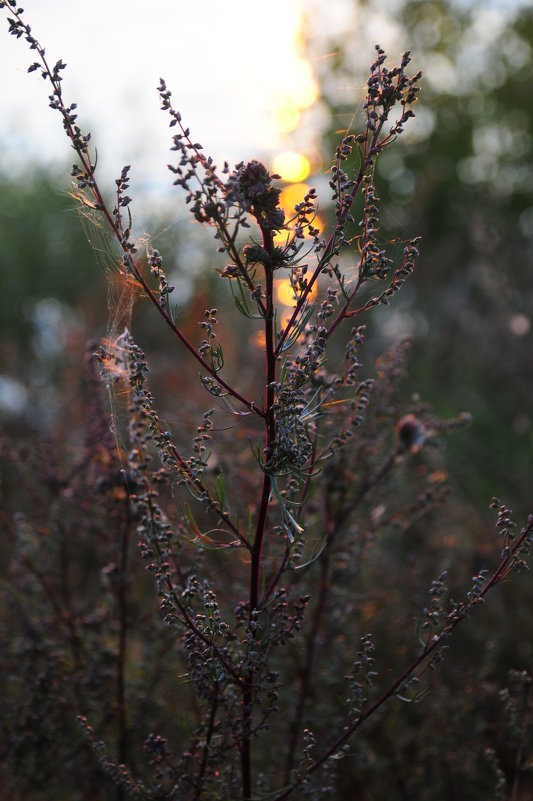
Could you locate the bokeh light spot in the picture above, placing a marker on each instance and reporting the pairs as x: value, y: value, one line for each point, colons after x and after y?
x: 258, y: 339
x: 293, y: 167
x: 285, y: 292
x: 520, y: 325
x: 287, y: 117
x: 292, y: 195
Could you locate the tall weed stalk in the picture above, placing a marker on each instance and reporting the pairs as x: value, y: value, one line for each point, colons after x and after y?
x: 259, y: 541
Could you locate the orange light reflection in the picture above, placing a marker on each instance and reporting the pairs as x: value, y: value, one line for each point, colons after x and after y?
x: 285, y: 292
x: 290, y: 196
x: 291, y: 166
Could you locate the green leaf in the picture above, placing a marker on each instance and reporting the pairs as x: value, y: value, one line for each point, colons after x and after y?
x: 288, y: 519
x: 299, y: 326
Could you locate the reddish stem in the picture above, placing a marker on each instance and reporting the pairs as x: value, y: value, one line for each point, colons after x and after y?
x: 89, y: 168
x: 455, y: 618
x: 255, y: 568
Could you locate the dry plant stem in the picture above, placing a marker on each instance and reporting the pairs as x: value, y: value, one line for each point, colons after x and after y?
x: 242, y: 670
x: 371, y: 303
x: 279, y: 572
x: 333, y: 525
x: 368, y: 159
x: 235, y: 255
x: 456, y: 616
x: 324, y: 259
x: 305, y: 489
x: 64, y: 608
x: 100, y: 205
x: 188, y: 622
x: 344, y: 311
x: 63, y: 614
x: 216, y: 506
x: 518, y: 761
x: 123, y: 631
x: 269, y: 429
x: 177, y: 331
x: 208, y: 737
x: 227, y: 239
x: 307, y: 670
x: 255, y: 566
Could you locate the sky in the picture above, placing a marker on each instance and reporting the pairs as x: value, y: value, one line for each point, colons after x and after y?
x: 236, y: 69
x: 239, y: 72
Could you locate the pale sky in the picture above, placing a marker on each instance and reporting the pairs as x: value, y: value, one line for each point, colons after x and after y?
x: 237, y: 70
x: 231, y: 66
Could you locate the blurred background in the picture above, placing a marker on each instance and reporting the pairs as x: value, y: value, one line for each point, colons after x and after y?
x: 282, y: 84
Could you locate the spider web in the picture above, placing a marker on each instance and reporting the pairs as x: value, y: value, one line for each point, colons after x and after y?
x: 122, y: 293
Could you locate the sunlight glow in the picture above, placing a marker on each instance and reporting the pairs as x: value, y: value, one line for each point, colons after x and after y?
x: 298, y: 89
x: 290, y: 196
x: 293, y: 98
x: 284, y: 317
x: 285, y: 292
x: 258, y: 339
x: 234, y: 119
x: 291, y: 166
x: 287, y: 118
